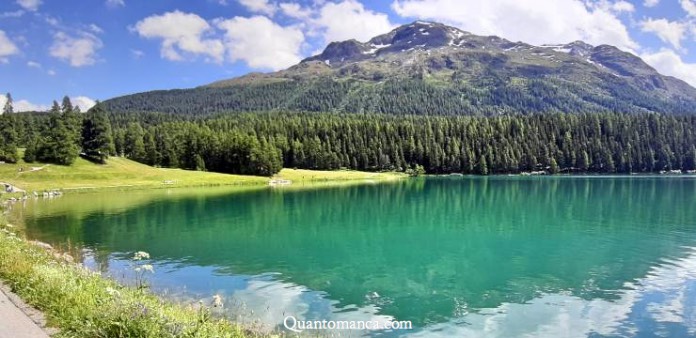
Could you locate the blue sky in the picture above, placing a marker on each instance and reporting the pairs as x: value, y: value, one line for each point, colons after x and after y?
x: 98, y: 49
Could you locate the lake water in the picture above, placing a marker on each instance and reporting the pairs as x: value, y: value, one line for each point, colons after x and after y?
x: 457, y: 256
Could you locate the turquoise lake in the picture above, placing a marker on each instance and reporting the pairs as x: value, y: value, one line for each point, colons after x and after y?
x: 457, y: 256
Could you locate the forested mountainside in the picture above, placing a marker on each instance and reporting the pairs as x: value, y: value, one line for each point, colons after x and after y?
x: 424, y: 96
x: 431, y: 69
x: 262, y: 143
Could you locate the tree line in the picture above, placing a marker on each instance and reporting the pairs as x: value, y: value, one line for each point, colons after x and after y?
x: 263, y: 143
x: 58, y: 137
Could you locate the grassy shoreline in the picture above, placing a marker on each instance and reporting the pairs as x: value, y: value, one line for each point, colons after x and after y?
x: 81, y: 303
x: 123, y: 174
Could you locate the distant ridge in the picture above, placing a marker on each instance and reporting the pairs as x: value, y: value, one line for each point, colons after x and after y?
x: 434, y: 69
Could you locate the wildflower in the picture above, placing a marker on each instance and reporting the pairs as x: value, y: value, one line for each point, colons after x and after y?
x: 217, y: 301
x: 148, y: 268
x: 141, y: 255
x: 112, y: 292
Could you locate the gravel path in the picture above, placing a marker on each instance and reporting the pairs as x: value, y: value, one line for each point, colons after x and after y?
x: 18, y: 320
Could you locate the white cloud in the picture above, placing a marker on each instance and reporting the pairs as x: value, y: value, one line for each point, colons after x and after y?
x: 14, y: 14
x: 622, y: 6
x: 137, y: 54
x: 671, y: 32
x: 84, y: 102
x: 7, y: 47
x: 51, y: 72
x: 115, y: 3
x: 22, y: 105
x: 668, y: 62
x: 294, y: 10
x: 78, y: 51
x: 548, y: 21
x: 96, y: 29
x: 651, y: 3
x: 689, y: 7
x: 52, y: 21
x: 181, y: 33
x: 261, y: 43
x: 259, y: 6
x: 349, y: 19
x: 30, y: 5
x: 33, y: 64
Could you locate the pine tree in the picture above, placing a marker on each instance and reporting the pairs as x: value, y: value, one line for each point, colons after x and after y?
x: 134, y: 147
x: 150, y: 147
x: 58, y: 146
x: 72, y: 121
x: 553, y: 168
x: 691, y: 159
x: 482, y: 166
x: 8, y: 134
x: 97, y: 140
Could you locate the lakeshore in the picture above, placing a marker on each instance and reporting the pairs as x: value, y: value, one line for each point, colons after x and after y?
x: 77, y: 302
x: 123, y: 174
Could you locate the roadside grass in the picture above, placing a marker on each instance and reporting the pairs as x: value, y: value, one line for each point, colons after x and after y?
x: 81, y: 303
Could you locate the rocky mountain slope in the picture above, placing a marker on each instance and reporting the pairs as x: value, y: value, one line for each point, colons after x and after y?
x: 431, y: 68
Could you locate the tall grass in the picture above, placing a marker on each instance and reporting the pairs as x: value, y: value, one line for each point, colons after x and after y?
x: 81, y: 303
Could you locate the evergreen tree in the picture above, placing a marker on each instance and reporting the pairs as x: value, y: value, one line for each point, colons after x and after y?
x: 151, y: 154
x: 691, y: 159
x: 72, y: 121
x: 30, y: 151
x: 134, y: 147
x: 199, y: 163
x: 264, y: 159
x: 553, y: 168
x: 58, y: 146
x: 482, y: 166
x: 8, y: 134
x: 97, y: 141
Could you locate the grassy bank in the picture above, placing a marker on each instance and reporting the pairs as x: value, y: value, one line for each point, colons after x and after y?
x: 81, y: 303
x: 123, y: 174
x: 116, y: 173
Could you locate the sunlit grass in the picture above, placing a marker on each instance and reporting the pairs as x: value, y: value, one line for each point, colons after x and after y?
x: 116, y: 173
x: 81, y: 303
x: 309, y: 176
x: 124, y: 174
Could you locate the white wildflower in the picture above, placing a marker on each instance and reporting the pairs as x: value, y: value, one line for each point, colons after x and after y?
x: 141, y: 255
x: 112, y: 292
x: 148, y: 268
x: 217, y: 301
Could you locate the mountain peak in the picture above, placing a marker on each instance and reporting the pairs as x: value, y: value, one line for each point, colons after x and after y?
x: 444, y: 70
x: 418, y: 35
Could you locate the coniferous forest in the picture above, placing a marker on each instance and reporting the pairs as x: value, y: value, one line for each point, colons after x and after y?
x: 263, y: 143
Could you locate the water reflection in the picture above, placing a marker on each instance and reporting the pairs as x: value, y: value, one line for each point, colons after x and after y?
x: 663, y: 304
x: 493, y: 256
